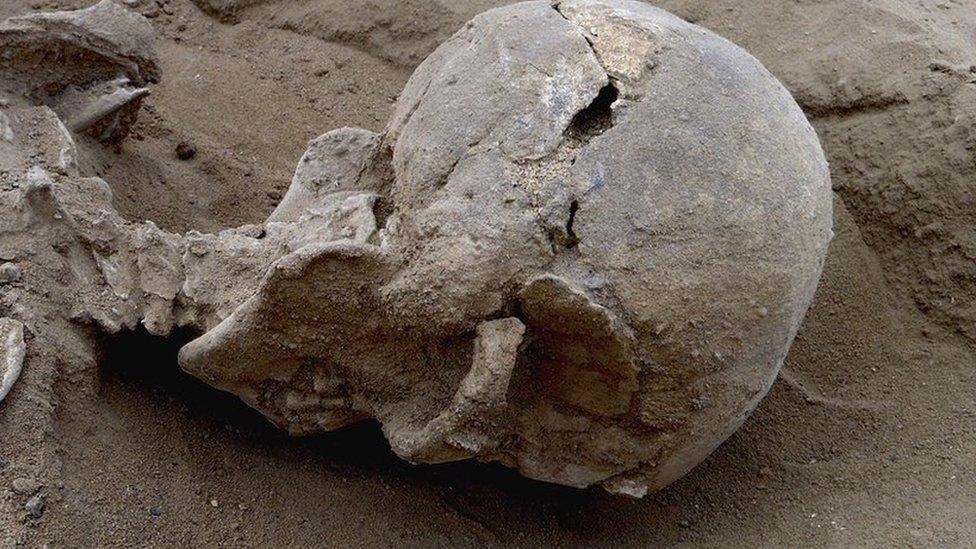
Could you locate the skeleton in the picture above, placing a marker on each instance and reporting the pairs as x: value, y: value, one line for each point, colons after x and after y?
x: 582, y: 246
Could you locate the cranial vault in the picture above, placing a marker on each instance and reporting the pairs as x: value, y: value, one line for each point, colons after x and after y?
x: 582, y: 246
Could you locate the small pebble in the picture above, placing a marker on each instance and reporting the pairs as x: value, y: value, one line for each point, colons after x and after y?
x: 10, y: 273
x: 155, y: 511
x: 213, y: 503
x: 185, y: 151
x: 24, y: 486
x: 35, y: 506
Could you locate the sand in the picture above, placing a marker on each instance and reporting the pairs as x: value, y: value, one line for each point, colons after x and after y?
x: 867, y: 438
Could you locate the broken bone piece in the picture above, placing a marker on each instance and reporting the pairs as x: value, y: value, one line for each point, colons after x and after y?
x: 102, y: 42
x: 12, y: 352
x: 91, y: 66
x: 105, y: 110
x: 6, y: 132
x: 340, y: 160
x: 37, y: 139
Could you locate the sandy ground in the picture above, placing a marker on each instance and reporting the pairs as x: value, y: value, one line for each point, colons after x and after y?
x: 867, y: 439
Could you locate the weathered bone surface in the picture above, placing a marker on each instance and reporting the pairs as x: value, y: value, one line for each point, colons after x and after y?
x: 12, y: 352
x: 89, y: 65
x: 582, y: 248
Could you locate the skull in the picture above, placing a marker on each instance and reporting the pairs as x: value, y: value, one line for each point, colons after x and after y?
x: 582, y: 246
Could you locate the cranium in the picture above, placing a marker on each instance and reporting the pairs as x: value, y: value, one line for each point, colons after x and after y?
x: 582, y: 247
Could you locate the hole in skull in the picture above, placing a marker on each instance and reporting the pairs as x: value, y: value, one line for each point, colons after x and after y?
x: 382, y: 210
x: 597, y: 117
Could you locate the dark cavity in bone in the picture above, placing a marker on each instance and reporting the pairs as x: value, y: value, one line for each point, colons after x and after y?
x: 596, y: 118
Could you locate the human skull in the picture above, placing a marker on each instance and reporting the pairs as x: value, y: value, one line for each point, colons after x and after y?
x: 582, y: 247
